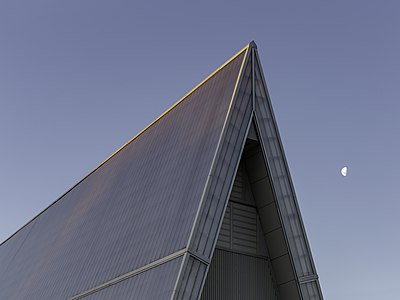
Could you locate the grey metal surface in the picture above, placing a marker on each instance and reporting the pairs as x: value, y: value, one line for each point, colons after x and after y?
x: 300, y: 254
x: 240, y: 267
x: 191, y: 279
x: 272, y: 232
x: 235, y: 276
x: 244, y: 228
x: 157, y: 284
x: 136, y: 208
x: 164, y: 195
x: 241, y: 190
x: 225, y: 233
x: 310, y: 290
x: 239, y: 229
x: 221, y: 177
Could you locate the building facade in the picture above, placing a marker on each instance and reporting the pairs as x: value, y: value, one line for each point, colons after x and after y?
x: 198, y: 205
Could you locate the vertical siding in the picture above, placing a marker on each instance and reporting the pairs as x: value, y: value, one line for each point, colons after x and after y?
x: 239, y: 268
x: 234, y: 276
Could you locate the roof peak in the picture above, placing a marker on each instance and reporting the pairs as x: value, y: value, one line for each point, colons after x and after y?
x: 253, y: 44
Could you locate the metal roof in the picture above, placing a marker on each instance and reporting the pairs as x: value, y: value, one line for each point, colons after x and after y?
x: 138, y: 207
x: 144, y: 224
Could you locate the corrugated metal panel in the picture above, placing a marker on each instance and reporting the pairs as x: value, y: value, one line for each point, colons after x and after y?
x: 216, y: 197
x: 143, y: 204
x: 10, y: 250
x: 286, y: 199
x: 234, y: 276
x: 283, y: 269
x: 244, y: 228
x: 192, y: 278
x: 241, y: 228
x: 157, y: 283
x: 9, y: 257
x: 136, y: 208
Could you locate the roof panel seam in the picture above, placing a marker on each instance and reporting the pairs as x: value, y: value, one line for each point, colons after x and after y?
x: 130, y: 274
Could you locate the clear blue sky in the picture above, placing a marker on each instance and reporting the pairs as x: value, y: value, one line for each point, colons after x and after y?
x: 80, y: 78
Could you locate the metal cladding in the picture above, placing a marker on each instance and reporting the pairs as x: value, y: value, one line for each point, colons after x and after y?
x: 228, y: 285
x: 299, y: 250
x: 145, y: 223
x: 156, y: 283
x: 137, y: 208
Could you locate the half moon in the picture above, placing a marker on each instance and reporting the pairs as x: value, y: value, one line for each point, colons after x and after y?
x: 344, y: 171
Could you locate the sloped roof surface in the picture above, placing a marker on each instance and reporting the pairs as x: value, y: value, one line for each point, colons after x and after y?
x: 156, y: 283
x: 137, y: 208
x: 144, y: 224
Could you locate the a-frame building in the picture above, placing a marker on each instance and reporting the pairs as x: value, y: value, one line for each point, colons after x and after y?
x: 198, y: 205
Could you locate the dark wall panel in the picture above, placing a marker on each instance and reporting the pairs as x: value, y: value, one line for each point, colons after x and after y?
x: 235, y: 276
x: 240, y: 268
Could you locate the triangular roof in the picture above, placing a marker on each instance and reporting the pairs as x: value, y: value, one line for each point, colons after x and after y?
x: 145, y: 223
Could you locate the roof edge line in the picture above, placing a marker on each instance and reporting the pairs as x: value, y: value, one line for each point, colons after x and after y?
x: 286, y: 166
x: 133, y: 138
x: 179, y: 101
x: 217, y: 150
x: 130, y: 274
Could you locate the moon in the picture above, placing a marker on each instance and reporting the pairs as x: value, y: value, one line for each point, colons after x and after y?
x: 344, y: 171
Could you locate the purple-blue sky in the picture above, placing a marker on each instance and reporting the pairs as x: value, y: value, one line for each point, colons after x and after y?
x: 80, y: 78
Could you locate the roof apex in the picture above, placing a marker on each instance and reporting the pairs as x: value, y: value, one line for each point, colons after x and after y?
x: 252, y: 44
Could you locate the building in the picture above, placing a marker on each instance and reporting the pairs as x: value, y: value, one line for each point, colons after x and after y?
x: 198, y: 205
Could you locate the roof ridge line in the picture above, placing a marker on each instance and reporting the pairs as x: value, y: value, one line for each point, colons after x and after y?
x: 251, y: 44
x: 180, y: 100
